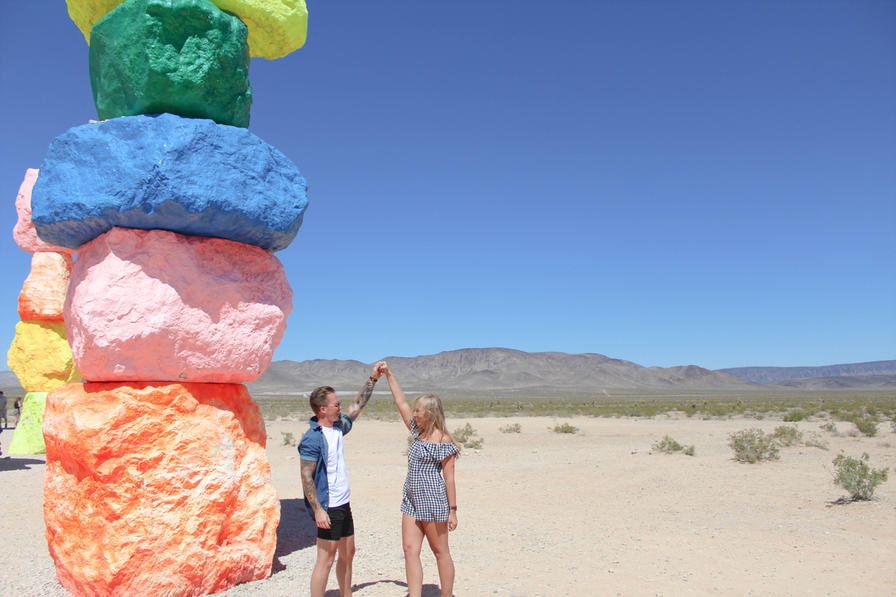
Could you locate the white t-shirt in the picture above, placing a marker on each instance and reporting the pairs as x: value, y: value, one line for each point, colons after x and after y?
x: 337, y: 478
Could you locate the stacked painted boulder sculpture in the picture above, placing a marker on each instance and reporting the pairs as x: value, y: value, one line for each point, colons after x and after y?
x: 157, y: 481
x: 39, y: 355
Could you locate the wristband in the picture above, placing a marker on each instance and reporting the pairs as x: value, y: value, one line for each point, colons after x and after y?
x: 453, y: 508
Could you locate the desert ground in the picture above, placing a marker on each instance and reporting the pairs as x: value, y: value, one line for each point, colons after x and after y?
x: 541, y: 513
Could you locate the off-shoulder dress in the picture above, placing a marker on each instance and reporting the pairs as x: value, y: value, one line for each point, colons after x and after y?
x: 425, y: 497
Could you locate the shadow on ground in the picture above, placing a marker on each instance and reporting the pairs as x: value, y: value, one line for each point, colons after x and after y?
x: 428, y: 590
x: 14, y: 463
x: 296, y: 531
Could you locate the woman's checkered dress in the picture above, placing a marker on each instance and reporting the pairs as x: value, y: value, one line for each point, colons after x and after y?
x: 425, y: 497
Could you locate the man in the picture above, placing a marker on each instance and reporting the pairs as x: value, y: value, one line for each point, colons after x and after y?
x: 3, y: 411
x: 325, y: 483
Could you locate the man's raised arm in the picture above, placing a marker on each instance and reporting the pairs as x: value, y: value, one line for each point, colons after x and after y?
x: 361, y: 399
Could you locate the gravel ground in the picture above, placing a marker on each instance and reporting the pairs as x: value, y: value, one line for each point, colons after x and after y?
x: 547, y: 514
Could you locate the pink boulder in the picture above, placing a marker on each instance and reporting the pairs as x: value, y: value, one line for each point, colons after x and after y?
x: 153, y: 305
x: 43, y: 293
x: 23, y: 232
x: 157, y: 489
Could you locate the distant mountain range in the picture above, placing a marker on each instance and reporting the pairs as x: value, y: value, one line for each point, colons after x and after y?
x: 502, y: 370
x: 505, y: 370
x: 872, y: 373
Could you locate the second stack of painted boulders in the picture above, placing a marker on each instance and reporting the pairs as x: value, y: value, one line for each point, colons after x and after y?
x: 40, y: 355
x: 157, y: 480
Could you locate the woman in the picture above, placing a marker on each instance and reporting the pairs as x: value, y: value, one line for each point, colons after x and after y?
x: 429, y: 507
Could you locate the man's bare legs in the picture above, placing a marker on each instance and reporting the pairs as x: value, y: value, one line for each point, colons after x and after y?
x: 346, y: 548
x: 326, y: 553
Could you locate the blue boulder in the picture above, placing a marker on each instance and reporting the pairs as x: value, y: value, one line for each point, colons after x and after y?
x: 188, y: 175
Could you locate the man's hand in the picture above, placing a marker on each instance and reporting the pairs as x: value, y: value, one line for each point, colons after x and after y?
x: 321, y: 518
x: 379, y: 368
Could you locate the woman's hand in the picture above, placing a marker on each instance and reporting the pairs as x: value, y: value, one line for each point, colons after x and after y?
x: 378, y: 369
x: 452, y: 520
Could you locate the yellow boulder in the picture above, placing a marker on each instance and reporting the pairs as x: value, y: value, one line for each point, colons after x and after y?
x: 41, y: 357
x: 276, y: 27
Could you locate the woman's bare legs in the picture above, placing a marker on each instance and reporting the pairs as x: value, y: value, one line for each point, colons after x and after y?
x: 437, y: 536
x: 412, y: 540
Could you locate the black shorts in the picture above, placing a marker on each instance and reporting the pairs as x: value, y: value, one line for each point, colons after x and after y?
x: 341, y: 524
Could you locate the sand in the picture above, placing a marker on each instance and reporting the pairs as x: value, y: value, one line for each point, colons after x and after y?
x: 591, y: 513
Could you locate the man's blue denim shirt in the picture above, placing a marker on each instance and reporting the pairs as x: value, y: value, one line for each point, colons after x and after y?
x: 313, y: 448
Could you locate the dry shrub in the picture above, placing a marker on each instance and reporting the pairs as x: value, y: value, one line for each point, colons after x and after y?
x: 753, y: 445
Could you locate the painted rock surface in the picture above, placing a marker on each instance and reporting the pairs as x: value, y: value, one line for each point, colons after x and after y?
x: 186, y: 175
x: 152, y: 305
x: 41, y: 357
x: 43, y: 293
x: 157, y: 489
x: 23, y: 232
x: 276, y: 27
x: 185, y: 57
x: 28, y: 437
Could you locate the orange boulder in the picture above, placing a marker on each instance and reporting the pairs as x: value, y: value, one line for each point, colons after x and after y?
x: 157, y: 489
x: 43, y: 293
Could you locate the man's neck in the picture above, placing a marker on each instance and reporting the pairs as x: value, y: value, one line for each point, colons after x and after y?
x: 324, y: 422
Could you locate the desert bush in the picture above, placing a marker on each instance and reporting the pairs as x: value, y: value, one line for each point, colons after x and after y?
x: 565, y: 428
x: 867, y: 424
x: 753, y: 445
x: 830, y: 427
x: 288, y: 438
x: 814, y: 440
x: 514, y: 428
x: 667, y: 445
x: 864, y: 417
x: 794, y: 416
x: 855, y: 476
x: 466, y: 436
x: 786, y: 435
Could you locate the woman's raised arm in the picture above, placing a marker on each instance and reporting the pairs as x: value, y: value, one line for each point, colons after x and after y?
x: 401, y: 401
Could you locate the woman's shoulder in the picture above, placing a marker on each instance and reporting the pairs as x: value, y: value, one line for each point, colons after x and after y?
x: 443, y: 443
x: 438, y: 437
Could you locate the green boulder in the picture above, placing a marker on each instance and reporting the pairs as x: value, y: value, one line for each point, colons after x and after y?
x: 28, y: 438
x: 184, y: 57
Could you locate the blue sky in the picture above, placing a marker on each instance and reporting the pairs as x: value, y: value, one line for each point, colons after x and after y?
x: 709, y: 183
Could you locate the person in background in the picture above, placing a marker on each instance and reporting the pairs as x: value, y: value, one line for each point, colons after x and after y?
x: 325, y: 483
x: 17, y: 407
x: 429, y: 505
x: 5, y: 421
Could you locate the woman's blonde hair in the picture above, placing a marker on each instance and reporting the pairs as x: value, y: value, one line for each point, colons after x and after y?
x: 435, y: 417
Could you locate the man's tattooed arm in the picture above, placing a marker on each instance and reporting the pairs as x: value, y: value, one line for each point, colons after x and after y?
x: 308, y: 484
x: 321, y: 518
x: 360, y: 401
